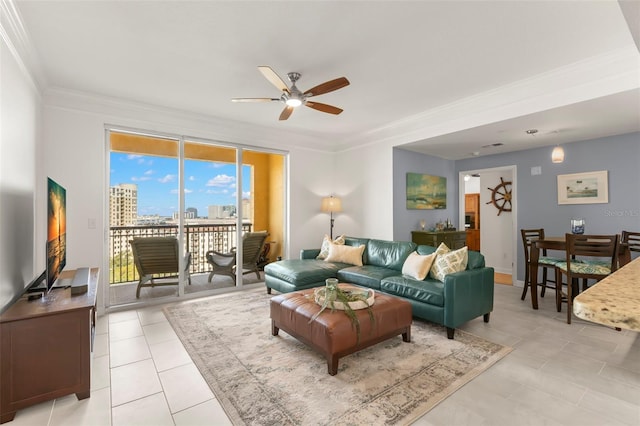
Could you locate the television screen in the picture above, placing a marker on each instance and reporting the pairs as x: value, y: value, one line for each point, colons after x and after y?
x: 56, y: 231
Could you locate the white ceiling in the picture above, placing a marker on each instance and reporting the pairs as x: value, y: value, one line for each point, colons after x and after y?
x: 405, y: 61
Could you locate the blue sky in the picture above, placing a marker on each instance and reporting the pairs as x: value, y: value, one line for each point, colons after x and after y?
x: 206, y: 183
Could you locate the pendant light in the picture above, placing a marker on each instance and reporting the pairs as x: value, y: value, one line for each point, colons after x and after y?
x: 557, y: 156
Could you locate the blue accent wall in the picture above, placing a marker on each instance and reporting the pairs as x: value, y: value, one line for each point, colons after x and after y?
x: 404, y: 220
x: 536, y: 195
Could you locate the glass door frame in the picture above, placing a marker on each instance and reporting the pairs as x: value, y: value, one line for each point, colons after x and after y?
x: 182, y: 139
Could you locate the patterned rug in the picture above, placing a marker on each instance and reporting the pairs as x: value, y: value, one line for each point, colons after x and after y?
x: 262, y: 379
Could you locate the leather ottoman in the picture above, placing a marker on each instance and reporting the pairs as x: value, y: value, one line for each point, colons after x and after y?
x: 332, y: 333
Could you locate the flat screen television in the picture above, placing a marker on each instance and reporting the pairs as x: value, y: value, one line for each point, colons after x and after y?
x: 56, y: 231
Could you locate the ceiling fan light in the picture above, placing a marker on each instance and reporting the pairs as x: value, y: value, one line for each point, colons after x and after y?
x: 557, y: 156
x: 293, y: 102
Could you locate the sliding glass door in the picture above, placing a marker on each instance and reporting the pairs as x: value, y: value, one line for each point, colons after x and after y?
x: 221, y: 202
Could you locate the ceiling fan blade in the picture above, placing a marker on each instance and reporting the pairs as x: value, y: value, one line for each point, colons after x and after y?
x: 271, y: 75
x: 327, y: 87
x: 324, y: 107
x: 286, y: 112
x: 254, y: 99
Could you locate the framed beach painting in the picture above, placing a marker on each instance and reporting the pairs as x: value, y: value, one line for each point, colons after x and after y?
x: 426, y: 192
x: 583, y: 188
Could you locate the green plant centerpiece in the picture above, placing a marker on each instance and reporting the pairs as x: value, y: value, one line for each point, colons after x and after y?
x: 348, y: 299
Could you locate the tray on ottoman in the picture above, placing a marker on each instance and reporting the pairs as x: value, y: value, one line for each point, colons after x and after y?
x: 332, y: 333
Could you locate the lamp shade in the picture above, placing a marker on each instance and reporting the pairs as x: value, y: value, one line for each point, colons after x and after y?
x: 331, y: 204
x: 557, y: 156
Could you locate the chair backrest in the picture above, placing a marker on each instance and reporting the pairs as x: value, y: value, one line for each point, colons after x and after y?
x: 602, y: 246
x: 527, y: 236
x: 630, y: 242
x: 155, y: 255
x: 252, y: 244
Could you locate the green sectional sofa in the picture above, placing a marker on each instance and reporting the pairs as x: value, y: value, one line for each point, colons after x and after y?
x: 462, y: 296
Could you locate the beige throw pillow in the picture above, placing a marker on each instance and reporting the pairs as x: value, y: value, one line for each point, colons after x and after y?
x: 345, y: 254
x: 417, y: 266
x: 324, y: 249
x: 448, y: 263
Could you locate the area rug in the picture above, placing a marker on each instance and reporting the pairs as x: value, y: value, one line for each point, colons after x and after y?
x: 261, y: 379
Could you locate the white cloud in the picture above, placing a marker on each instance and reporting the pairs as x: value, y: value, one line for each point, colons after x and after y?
x: 140, y: 179
x: 167, y: 179
x: 221, y: 181
x: 149, y: 172
x: 133, y: 156
x: 186, y: 191
x: 192, y: 178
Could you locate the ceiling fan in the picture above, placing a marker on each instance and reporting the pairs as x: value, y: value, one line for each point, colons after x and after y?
x: 293, y: 97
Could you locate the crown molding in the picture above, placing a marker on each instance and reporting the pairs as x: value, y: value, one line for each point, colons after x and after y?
x: 15, y: 36
x: 117, y: 111
x: 606, y: 74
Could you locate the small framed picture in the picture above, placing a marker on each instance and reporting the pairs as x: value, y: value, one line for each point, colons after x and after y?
x: 583, y: 188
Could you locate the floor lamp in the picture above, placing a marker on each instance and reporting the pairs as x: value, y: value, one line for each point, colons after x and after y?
x: 331, y: 205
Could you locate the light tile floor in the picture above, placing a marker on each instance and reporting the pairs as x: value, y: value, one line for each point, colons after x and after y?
x: 557, y: 374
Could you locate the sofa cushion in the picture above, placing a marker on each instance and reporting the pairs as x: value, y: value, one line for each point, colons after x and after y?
x: 324, y: 248
x: 303, y: 272
x: 428, y: 291
x: 389, y: 254
x: 345, y: 254
x: 417, y: 266
x: 449, y: 263
x: 366, y: 275
x: 422, y: 249
x: 476, y: 260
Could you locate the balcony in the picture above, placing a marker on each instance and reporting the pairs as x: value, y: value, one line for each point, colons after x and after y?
x: 198, y: 240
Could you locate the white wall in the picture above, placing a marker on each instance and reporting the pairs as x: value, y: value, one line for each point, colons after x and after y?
x: 472, y: 186
x: 496, y: 234
x: 75, y: 146
x: 364, y: 180
x: 22, y: 217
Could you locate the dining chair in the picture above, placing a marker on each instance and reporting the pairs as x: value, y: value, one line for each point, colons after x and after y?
x: 629, y: 242
x: 587, y: 257
x: 544, y: 261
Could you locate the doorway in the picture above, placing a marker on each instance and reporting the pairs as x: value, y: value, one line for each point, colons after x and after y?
x: 496, y: 226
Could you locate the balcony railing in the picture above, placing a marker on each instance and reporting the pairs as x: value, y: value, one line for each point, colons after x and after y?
x: 198, y: 240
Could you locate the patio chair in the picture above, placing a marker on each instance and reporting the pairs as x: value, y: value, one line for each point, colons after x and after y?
x: 225, y: 263
x: 157, y: 255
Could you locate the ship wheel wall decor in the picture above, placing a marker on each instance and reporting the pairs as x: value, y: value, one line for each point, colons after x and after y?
x: 501, y: 196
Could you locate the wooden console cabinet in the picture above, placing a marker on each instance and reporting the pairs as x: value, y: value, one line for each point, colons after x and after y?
x: 46, y: 347
x: 453, y: 239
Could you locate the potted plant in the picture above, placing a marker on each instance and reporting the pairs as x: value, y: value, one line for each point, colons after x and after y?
x: 348, y: 299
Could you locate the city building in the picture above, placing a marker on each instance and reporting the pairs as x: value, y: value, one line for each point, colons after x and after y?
x: 123, y: 204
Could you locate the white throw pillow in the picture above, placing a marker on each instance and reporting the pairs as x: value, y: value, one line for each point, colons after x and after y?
x: 324, y: 249
x: 448, y: 263
x: 417, y: 266
x: 345, y: 254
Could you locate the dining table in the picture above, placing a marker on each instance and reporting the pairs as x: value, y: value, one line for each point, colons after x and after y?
x: 538, y: 244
